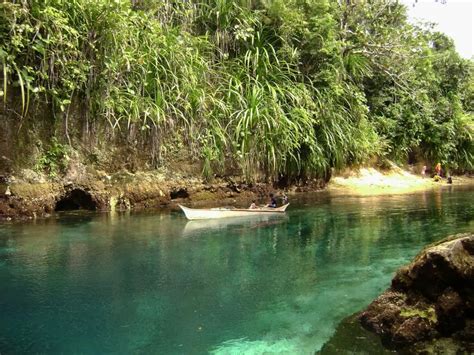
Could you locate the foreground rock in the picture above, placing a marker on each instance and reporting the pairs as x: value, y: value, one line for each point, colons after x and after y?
x: 430, y: 304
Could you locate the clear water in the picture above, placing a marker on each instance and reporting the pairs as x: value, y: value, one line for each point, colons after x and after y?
x: 155, y: 283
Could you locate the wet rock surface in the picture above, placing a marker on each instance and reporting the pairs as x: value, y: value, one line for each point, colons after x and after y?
x: 429, y: 307
x: 30, y: 196
x: 351, y: 338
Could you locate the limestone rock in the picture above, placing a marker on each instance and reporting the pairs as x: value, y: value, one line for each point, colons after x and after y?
x: 431, y: 298
x: 449, y: 263
x: 32, y: 177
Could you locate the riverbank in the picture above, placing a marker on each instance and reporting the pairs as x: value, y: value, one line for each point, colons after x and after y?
x: 29, y: 195
x: 370, y: 181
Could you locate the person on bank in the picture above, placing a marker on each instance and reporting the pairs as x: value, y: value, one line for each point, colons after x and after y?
x: 253, y: 205
x: 423, y: 171
x: 273, y: 202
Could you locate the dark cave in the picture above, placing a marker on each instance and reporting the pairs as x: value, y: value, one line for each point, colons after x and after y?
x: 180, y: 193
x: 76, y: 199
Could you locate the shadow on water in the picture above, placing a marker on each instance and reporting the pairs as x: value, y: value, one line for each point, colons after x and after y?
x: 351, y: 338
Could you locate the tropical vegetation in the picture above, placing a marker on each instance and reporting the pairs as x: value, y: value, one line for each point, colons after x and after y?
x: 275, y: 89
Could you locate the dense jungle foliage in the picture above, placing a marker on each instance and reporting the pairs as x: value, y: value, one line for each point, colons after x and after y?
x: 275, y: 88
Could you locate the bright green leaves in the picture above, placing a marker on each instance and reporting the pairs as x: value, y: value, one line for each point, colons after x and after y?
x: 53, y: 161
x: 41, y: 52
x: 288, y: 87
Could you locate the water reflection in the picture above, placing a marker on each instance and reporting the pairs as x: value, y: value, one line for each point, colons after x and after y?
x: 197, y: 227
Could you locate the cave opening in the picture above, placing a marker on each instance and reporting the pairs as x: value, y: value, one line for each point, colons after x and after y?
x: 179, y: 193
x: 76, y: 199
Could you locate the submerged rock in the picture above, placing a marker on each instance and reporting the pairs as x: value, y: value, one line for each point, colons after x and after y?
x: 351, y: 338
x: 430, y: 299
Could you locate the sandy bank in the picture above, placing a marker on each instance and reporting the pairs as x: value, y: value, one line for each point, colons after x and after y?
x: 370, y: 181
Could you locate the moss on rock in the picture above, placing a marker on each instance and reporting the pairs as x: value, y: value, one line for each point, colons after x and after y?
x: 431, y: 298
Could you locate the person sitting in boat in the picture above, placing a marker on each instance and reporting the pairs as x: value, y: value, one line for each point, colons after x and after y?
x: 284, y: 199
x: 253, y: 206
x: 273, y: 202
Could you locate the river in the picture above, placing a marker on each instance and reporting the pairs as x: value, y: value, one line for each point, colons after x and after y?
x: 153, y: 282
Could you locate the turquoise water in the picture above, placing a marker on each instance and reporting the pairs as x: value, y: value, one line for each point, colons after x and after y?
x: 155, y: 283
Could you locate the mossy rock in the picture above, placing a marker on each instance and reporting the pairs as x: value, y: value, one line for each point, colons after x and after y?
x: 430, y: 298
x: 428, y: 314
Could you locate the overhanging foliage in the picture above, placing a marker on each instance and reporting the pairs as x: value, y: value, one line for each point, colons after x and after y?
x: 278, y: 87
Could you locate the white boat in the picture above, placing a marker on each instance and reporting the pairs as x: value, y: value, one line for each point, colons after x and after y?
x: 212, y: 213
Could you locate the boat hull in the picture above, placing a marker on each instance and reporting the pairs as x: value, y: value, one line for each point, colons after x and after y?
x: 217, y: 213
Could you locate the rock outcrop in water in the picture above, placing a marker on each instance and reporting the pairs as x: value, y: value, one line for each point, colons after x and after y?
x: 30, y: 198
x: 430, y: 304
